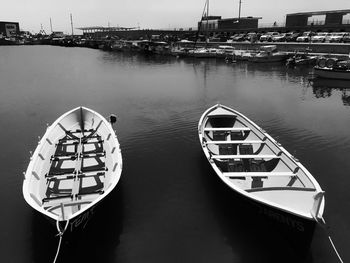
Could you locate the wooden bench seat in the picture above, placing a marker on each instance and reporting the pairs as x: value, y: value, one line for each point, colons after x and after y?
x: 228, y: 129
x: 236, y: 142
x: 245, y: 156
x: 259, y: 174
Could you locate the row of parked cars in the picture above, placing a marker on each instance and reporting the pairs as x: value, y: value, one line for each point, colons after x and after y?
x: 308, y: 36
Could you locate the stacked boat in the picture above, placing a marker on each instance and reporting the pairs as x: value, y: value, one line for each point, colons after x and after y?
x: 253, y: 164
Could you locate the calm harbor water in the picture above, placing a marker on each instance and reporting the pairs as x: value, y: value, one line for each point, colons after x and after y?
x: 169, y: 205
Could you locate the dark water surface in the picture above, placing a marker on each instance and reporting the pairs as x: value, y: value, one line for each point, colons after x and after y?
x: 169, y: 205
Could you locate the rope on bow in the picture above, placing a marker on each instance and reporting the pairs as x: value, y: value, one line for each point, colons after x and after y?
x: 60, y: 234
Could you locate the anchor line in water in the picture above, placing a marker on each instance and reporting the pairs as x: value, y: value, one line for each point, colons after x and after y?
x: 60, y: 234
x: 325, y: 227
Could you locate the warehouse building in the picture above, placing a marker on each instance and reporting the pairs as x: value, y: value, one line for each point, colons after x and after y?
x: 337, y: 19
x: 216, y: 23
x: 9, y: 28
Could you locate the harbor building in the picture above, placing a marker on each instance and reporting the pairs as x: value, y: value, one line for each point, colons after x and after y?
x: 209, y: 23
x: 325, y: 21
x: 9, y: 28
x: 338, y: 20
x: 216, y: 23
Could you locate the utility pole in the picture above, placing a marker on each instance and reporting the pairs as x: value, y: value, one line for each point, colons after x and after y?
x: 51, y: 25
x: 71, y: 22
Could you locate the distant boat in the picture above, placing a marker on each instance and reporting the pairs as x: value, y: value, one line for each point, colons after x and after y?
x: 161, y: 48
x: 76, y: 164
x: 244, y: 55
x: 333, y: 69
x: 182, y: 48
x: 117, y: 45
x: 205, y: 53
x: 301, y: 59
x: 253, y: 164
x: 268, y: 54
x: 225, y: 51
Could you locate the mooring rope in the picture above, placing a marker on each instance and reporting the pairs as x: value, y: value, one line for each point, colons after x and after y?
x: 60, y: 234
x: 324, y: 226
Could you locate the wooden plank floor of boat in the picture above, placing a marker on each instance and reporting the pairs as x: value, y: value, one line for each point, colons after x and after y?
x: 77, y: 169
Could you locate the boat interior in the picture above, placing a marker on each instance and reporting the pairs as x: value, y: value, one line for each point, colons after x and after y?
x: 248, y: 158
x: 251, y: 160
x: 73, y: 168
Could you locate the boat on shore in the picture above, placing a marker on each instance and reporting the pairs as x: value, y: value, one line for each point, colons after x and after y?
x: 333, y: 69
x: 76, y: 164
x: 254, y: 165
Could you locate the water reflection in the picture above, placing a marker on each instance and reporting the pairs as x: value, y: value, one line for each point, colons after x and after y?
x: 172, y: 207
x: 241, y: 224
x: 323, y: 88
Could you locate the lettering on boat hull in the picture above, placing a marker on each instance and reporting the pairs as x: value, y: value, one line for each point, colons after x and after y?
x: 82, y: 220
x: 281, y: 218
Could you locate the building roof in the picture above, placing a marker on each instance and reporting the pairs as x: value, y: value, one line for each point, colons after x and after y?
x: 241, y: 18
x: 101, y: 28
x: 8, y: 22
x: 211, y: 17
x: 345, y: 11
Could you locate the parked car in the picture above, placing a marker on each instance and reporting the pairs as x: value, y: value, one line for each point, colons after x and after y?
x: 320, y: 37
x: 305, y: 37
x: 338, y: 37
x: 329, y: 36
x: 238, y: 38
x: 268, y: 36
x: 292, y: 36
x: 214, y: 39
x: 346, y: 38
x: 279, y: 38
x: 251, y: 36
x: 233, y: 38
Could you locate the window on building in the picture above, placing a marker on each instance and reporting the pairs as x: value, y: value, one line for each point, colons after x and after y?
x: 316, y: 20
x: 346, y: 19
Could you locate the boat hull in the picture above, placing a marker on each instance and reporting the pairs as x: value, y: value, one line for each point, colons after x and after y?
x: 75, y: 166
x: 204, y: 55
x: 330, y: 73
x: 267, y: 59
x: 266, y: 179
x: 298, y: 231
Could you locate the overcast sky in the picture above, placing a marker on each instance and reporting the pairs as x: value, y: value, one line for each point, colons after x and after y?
x: 149, y: 14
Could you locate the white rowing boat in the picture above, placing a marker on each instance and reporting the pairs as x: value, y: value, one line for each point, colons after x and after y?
x: 76, y: 164
x: 253, y: 164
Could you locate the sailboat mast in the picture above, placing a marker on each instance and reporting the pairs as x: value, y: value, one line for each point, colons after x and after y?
x: 200, y: 26
x: 71, y: 22
x: 207, y: 8
x: 207, y: 31
x: 239, y: 9
x: 51, y: 25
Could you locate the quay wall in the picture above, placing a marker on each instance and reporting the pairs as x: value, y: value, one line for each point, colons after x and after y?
x: 137, y: 34
x: 324, y: 48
